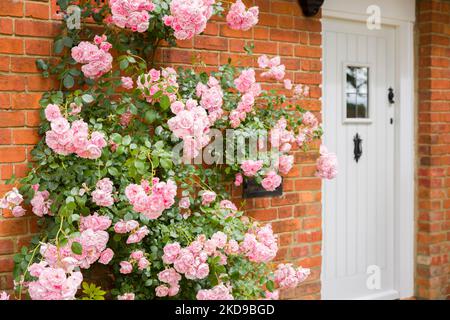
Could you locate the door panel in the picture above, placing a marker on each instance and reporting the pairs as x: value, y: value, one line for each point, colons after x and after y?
x: 358, y: 211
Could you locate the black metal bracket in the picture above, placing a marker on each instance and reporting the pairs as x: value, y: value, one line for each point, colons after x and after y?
x: 251, y: 189
x: 311, y: 7
x: 358, y: 147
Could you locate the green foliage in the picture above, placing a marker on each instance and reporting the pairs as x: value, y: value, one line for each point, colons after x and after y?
x: 92, y: 292
x: 142, y: 149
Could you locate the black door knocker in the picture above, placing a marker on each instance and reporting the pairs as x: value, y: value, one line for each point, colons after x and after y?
x: 391, y: 96
x: 358, y: 147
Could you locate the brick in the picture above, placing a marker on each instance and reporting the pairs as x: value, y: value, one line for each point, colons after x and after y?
x: 6, y: 171
x: 36, y: 28
x: 6, y: 26
x: 211, y: 43
x: 6, y: 246
x: 26, y: 100
x: 6, y: 264
x: 12, y: 83
x: 12, y: 154
x: 4, y: 63
x: 12, y: 119
x: 5, y: 136
x: 36, y: 10
x: 25, y: 136
x: 11, y: 8
x: 13, y: 227
x: 23, y: 65
x: 11, y: 45
x: 21, y: 170
x: 38, y: 47
x: 33, y: 118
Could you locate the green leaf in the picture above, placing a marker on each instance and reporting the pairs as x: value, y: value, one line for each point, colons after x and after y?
x: 164, y: 102
x: 41, y: 64
x: 123, y: 64
x: 113, y: 171
x: 58, y: 46
x: 76, y: 248
x: 126, y: 140
x: 68, y: 81
x: 87, y: 98
x: 150, y: 116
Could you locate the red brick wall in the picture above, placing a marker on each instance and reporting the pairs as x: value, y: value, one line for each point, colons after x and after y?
x: 433, y: 235
x: 26, y: 30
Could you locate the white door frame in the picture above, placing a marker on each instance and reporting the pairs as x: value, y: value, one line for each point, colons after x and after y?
x: 401, y: 15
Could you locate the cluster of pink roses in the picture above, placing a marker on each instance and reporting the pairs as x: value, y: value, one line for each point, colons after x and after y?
x: 56, y: 278
x: 102, y: 195
x: 191, y: 123
x: 171, y: 278
x: 53, y: 283
x: 12, y: 200
x: 136, y: 258
x: 247, y: 86
x: 286, y: 276
x: 95, y: 57
x: 65, y: 138
x: 211, y: 96
x: 327, y: 164
x: 280, y: 137
x: 131, y: 14
x: 219, y: 292
x: 152, y: 200
x: 40, y: 203
x: 158, y: 80
x: 192, y: 261
x: 131, y: 226
x: 238, y: 18
x: 271, y: 179
x: 260, y: 244
x: 188, y: 17
x: 93, y: 240
x: 276, y: 69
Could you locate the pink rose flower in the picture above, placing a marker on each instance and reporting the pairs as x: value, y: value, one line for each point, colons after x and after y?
x: 18, y: 211
x: 127, y: 82
x: 106, y: 256
x: 161, y: 291
x: 52, y: 112
x: 184, y: 203
x: 126, y: 296
x: 271, y: 181
x: 208, y: 197
x: 251, y: 167
x: 125, y: 267
x: 238, y: 180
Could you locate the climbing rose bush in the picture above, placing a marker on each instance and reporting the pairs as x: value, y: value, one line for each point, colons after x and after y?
x: 118, y: 181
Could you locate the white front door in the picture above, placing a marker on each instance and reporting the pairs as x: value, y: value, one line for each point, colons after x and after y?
x: 358, y: 211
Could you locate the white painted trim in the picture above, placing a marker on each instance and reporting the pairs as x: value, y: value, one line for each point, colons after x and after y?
x: 400, y: 10
x: 404, y: 236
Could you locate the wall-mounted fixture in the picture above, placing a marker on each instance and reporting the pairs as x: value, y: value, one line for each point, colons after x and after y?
x: 310, y: 7
x: 253, y: 190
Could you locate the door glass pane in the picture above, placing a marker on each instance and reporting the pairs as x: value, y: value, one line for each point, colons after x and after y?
x: 357, y: 93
